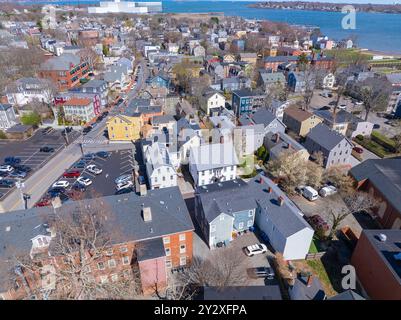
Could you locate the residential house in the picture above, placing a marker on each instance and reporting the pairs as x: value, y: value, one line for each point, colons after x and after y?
x: 78, y: 110
x: 300, y: 121
x: 212, y: 101
x: 264, y: 117
x: 234, y: 83
x: 7, y: 116
x: 279, y: 143
x: 117, y: 78
x: 300, y: 82
x: 199, y: 51
x: 249, y: 57
x: 247, y: 139
x: 97, y: 87
x: 164, y: 122
x: 222, y: 216
x: 20, y: 131
x: 216, y: 70
x: 159, y: 168
x: 123, y: 127
x: 64, y: 71
x: 269, y: 80
x: 188, y: 136
x: 381, y: 178
x: 210, y: 163
x: 27, y: 90
x: 377, y: 261
x: 307, y: 287
x: 155, y: 235
x: 246, y: 101
x: 161, y: 80
x: 335, y: 147
x: 272, y: 62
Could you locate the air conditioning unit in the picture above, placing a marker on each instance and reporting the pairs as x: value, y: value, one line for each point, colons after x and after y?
x: 382, y: 237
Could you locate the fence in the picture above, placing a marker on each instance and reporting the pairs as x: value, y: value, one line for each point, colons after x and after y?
x: 314, y: 256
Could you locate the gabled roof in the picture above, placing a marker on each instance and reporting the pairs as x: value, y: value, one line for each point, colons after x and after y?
x: 210, y: 156
x: 341, y: 116
x: 347, y: 295
x: 385, y: 175
x: 325, y: 137
x: 62, y: 62
x: 265, y: 117
x: 298, y: 114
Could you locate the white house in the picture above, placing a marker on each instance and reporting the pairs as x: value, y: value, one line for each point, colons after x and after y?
x: 7, y: 116
x: 213, y: 100
x: 211, y: 163
x: 159, y: 168
x: 277, y: 107
x: 26, y: 90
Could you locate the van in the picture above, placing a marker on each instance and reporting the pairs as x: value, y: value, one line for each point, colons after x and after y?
x: 327, y: 191
x: 310, y: 193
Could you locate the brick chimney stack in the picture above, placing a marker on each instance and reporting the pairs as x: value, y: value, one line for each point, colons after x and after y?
x: 270, y: 190
x: 309, y: 281
x: 280, y: 201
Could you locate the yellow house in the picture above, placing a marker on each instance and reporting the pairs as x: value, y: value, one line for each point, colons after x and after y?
x: 124, y: 128
x: 300, y: 121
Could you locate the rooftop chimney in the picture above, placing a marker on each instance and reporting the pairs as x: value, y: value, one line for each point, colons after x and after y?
x: 260, y: 180
x: 309, y: 281
x: 277, y: 137
x: 280, y: 201
x: 270, y: 190
x: 147, y: 214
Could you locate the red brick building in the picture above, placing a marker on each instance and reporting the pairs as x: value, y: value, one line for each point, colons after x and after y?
x: 377, y: 261
x: 151, y: 234
x: 65, y: 71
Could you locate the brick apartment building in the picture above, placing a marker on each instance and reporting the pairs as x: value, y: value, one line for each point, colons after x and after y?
x: 377, y: 261
x: 65, y: 71
x: 152, y: 232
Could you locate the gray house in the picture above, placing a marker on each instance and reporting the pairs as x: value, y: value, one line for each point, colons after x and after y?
x: 335, y: 147
x: 278, y: 143
x: 99, y: 87
x: 264, y: 117
x: 223, y: 210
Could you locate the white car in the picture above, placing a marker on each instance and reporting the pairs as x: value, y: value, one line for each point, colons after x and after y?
x: 327, y: 191
x: 342, y: 106
x: 124, y: 185
x: 93, y: 169
x: 6, y: 168
x: 359, y: 103
x: 123, y: 178
x: 84, y: 181
x: 61, y: 184
x: 255, y: 249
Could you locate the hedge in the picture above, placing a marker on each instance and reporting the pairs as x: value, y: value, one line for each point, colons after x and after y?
x: 373, y: 147
x: 384, y: 141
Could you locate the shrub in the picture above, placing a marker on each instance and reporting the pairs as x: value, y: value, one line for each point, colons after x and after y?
x: 32, y: 118
x: 384, y: 141
x: 3, y: 135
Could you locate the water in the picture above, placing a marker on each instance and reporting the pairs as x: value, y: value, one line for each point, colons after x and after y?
x: 375, y: 31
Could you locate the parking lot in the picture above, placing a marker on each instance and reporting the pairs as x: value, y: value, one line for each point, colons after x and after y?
x: 28, y: 151
x: 116, y: 164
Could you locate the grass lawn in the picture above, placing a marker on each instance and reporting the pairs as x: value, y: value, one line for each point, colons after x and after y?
x: 313, y: 247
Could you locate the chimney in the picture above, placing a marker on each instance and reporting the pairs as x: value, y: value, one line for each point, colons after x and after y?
x: 147, y: 214
x: 142, y: 190
x: 309, y: 281
x: 277, y: 138
x: 280, y: 201
x: 270, y: 190
x: 222, y: 139
x: 288, y: 145
x: 260, y: 180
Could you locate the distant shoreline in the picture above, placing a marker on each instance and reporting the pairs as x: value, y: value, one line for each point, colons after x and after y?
x: 326, y: 7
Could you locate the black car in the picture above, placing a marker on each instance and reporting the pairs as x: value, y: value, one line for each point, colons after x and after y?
x: 78, y: 187
x: 18, y: 174
x: 6, y: 183
x: 12, y: 160
x: 22, y: 167
x: 124, y: 191
x: 89, y: 156
x: 80, y: 164
x: 87, y: 129
x: 102, y: 154
x: 46, y: 149
x: 325, y: 108
x: 105, y: 114
x: 376, y: 126
x: 55, y: 192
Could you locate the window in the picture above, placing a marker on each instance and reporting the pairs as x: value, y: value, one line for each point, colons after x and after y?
x: 126, y: 273
x: 164, y: 178
x: 182, y: 237
x: 250, y: 213
x: 100, y: 266
x: 166, y: 240
x: 168, y: 252
x: 168, y: 264
x: 103, y: 279
x: 183, y: 261
x: 241, y: 225
x: 109, y: 252
x: 114, y: 277
x: 212, y: 228
x: 123, y: 249
x: 249, y: 224
x: 112, y: 263
x: 125, y: 260
x: 221, y: 217
x: 183, y: 248
x: 171, y: 178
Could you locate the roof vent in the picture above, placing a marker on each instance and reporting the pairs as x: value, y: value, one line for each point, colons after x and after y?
x: 147, y: 214
x: 8, y: 229
x: 382, y: 237
x: 280, y: 201
x: 161, y: 202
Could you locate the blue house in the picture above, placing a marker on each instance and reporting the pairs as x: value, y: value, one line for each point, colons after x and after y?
x: 160, y: 81
x: 246, y: 101
x: 300, y: 81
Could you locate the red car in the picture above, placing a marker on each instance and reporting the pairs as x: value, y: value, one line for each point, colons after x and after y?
x: 43, y: 203
x: 358, y: 150
x: 318, y: 223
x: 72, y: 174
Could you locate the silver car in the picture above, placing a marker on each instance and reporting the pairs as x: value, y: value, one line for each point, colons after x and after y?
x: 123, y: 178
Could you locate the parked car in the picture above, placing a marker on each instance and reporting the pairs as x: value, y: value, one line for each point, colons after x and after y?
x: 342, y: 106
x: 105, y: 113
x: 55, y: 192
x: 327, y: 191
x: 72, y: 174
x: 87, y: 129
x: 22, y: 167
x: 6, y: 183
x: 61, y: 183
x: 255, y: 249
x: 103, y: 154
x: 6, y: 168
x: 46, y: 149
x: 84, y: 181
x: 78, y: 187
x: 358, y: 103
x: 44, y: 202
x: 376, y: 126
x: 80, y: 164
x: 125, y: 190
x: 3, y: 174
x: 89, y: 156
x: 325, y: 108
x: 358, y: 150
x: 12, y: 160
x: 299, y: 189
x: 318, y: 223
x: 93, y: 169
x: 261, y: 272
x: 123, y: 185
x: 18, y: 174
x: 123, y: 178
x: 310, y: 193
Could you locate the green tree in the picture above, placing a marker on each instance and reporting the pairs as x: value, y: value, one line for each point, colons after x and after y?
x: 32, y: 118
x: 106, y: 50
x: 3, y: 135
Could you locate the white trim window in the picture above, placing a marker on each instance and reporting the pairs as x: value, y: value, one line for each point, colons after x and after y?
x: 114, y: 277
x: 249, y: 224
x: 125, y: 260
x: 212, y: 228
x: 104, y: 279
x: 183, y: 261
x: 123, y: 249
x: 168, y: 252
x: 182, y: 237
x: 100, y: 266
x: 241, y: 225
x: 250, y: 213
x: 183, y: 248
x: 166, y: 240
x: 112, y: 263
x: 168, y: 264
